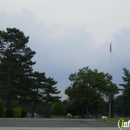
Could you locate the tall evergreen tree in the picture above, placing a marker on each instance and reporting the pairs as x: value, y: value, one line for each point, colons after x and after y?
x: 15, y: 64
x: 126, y: 90
x: 43, y: 90
x: 126, y: 84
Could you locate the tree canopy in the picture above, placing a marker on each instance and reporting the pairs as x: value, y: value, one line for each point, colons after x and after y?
x: 90, y: 86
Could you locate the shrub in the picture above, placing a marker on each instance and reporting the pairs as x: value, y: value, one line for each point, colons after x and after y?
x: 17, y: 112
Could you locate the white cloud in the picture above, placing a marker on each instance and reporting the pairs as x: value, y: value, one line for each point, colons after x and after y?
x: 58, y: 55
x: 69, y: 35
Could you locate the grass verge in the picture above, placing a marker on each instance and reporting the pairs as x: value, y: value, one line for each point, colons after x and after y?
x: 115, y: 120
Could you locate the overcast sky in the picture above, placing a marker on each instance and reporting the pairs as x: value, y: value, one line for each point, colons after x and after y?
x: 70, y: 34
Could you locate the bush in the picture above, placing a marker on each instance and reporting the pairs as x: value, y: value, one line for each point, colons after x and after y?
x: 17, y: 112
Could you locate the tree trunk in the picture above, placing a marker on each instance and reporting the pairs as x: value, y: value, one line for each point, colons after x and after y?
x: 96, y: 109
x: 33, y: 110
x: 110, y: 109
x: 7, y: 100
x: 87, y: 111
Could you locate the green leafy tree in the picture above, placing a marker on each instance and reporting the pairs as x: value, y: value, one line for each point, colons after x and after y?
x: 88, y: 87
x: 110, y: 91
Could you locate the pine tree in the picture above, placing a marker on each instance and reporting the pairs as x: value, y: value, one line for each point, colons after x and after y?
x: 15, y: 64
x: 43, y: 90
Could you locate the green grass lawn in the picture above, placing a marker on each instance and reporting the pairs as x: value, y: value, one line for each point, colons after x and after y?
x: 115, y: 120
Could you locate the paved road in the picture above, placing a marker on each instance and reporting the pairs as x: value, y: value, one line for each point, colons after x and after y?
x: 36, y: 122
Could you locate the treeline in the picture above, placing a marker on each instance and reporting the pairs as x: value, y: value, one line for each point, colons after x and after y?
x: 90, y: 92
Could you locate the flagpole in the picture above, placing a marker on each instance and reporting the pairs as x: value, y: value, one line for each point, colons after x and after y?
x: 110, y: 55
x: 110, y: 73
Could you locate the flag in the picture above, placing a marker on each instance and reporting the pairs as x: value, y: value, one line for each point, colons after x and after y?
x: 110, y: 48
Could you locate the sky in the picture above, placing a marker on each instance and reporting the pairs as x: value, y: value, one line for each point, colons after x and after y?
x: 71, y: 34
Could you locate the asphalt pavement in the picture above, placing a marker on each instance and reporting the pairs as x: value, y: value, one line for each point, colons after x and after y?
x: 54, y: 124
